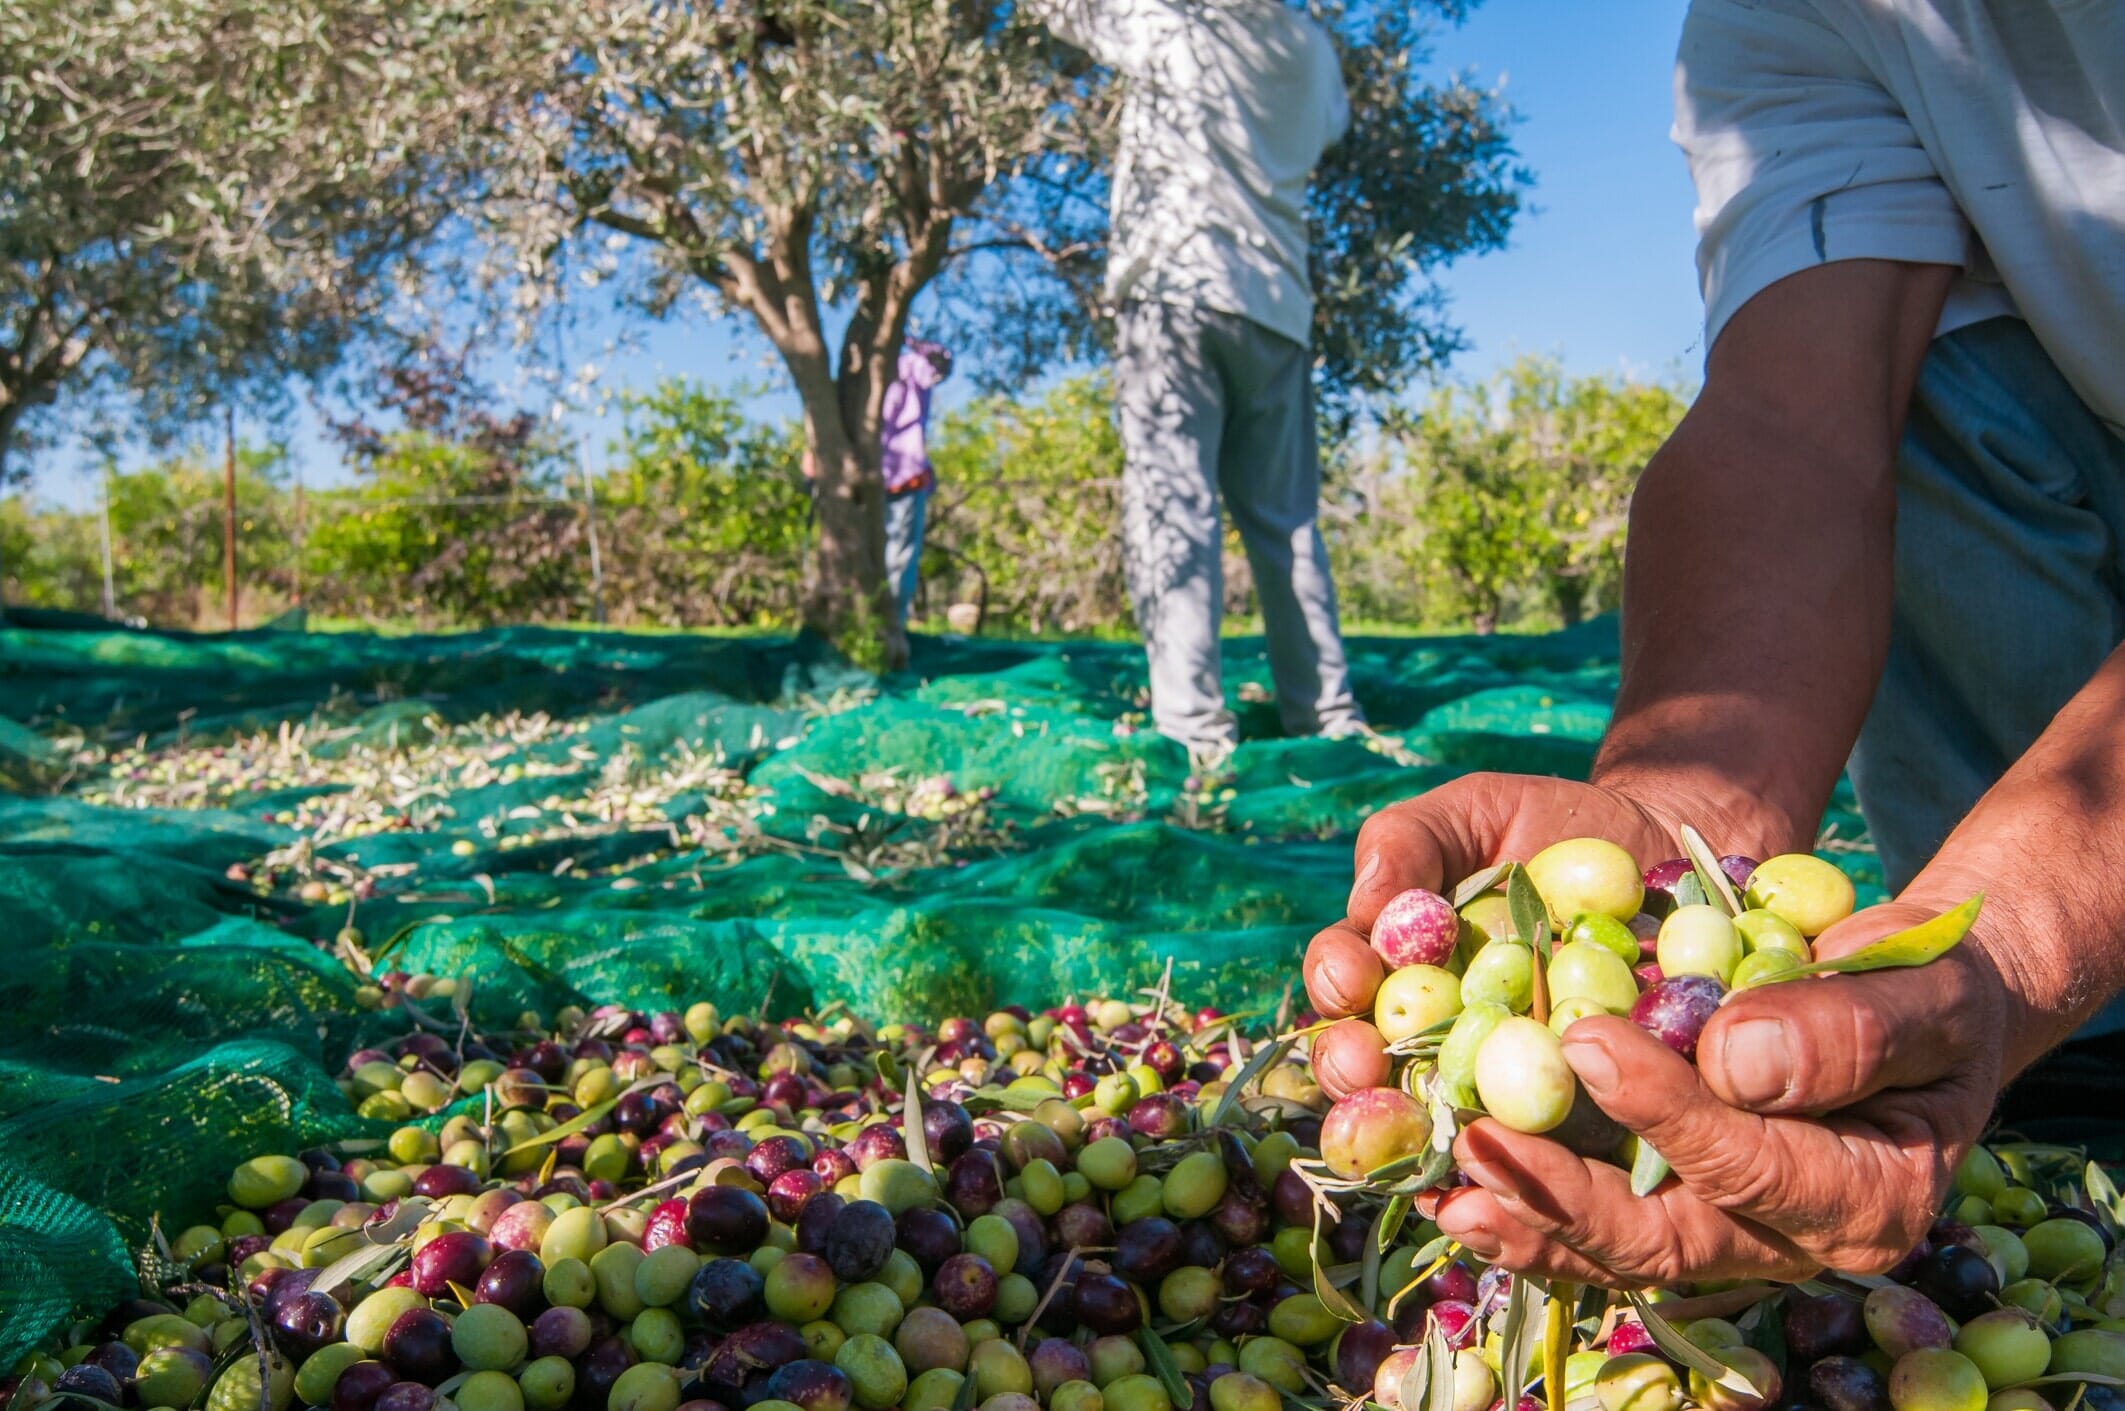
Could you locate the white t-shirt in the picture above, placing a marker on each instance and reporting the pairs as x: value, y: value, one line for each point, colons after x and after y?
x: 1990, y: 136
x: 1228, y: 106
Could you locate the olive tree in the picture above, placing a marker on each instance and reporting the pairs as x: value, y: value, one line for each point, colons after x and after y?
x: 813, y: 166
x: 198, y: 199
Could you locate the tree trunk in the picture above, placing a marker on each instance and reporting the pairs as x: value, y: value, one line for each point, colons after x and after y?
x: 848, y: 600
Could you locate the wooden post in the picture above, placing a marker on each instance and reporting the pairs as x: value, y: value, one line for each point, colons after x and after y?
x: 228, y: 512
x: 301, y: 528
x: 110, y: 595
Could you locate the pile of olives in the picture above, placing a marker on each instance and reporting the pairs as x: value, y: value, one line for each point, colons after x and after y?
x: 2020, y: 1311
x: 1116, y: 1205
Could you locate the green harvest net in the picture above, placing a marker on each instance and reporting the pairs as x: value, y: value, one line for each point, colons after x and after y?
x: 576, y: 817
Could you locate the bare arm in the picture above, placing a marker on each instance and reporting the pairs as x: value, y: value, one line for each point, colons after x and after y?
x: 1756, y: 590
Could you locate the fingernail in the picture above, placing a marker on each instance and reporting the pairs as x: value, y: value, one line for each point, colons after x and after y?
x: 1759, y: 1066
x: 1596, y: 1069
x: 1365, y: 873
x: 1481, y: 1172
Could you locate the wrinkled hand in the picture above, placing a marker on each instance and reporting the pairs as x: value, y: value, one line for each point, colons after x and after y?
x: 1455, y: 831
x: 1905, y: 1063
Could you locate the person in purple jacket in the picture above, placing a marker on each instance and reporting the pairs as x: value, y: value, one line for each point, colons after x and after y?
x: 909, y: 477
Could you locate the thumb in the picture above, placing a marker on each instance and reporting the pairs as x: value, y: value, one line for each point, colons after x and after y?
x: 1432, y: 840
x: 1814, y: 1045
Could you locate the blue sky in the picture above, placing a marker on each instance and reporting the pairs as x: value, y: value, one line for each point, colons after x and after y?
x: 1598, y: 273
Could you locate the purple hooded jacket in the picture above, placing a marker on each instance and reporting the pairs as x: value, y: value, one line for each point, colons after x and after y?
x: 906, y: 415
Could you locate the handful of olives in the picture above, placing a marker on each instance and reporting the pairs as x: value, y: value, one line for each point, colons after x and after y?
x: 1457, y: 1006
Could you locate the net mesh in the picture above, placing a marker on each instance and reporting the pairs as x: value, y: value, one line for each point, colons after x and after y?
x: 578, y: 817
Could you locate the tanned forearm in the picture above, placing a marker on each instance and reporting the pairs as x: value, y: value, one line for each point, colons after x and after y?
x: 2046, y: 845
x: 1758, y: 581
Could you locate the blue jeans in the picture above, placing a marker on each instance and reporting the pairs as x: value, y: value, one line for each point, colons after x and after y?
x: 905, y: 518
x: 2010, y: 587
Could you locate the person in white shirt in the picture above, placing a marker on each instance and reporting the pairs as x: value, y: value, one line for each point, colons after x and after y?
x: 1228, y: 105
x: 1892, y: 527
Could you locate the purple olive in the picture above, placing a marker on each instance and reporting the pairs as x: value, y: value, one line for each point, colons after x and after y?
x: 1676, y: 1010
x: 512, y: 1281
x: 727, y: 1293
x: 1255, y: 1271
x: 946, y: 1128
x: 1148, y: 1250
x: 811, y: 1385
x: 726, y: 1220
x: 1848, y: 1384
x: 1083, y: 1226
x: 441, y: 1182
x: 928, y: 1235
x: 1241, y: 1221
x: 1161, y: 1117
x: 360, y: 1385
x: 1032, y: 1235
x: 1055, y: 1361
x: 1292, y: 1199
x: 599, y: 1368
x: 965, y: 1286
x: 456, y: 1257
x: 1106, y: 1304
x: 418, y: 1345
x: 816, y: 1220
x: 972, y: 1184
x: 1359, y: 1351
x: 860, y: 1240
x: 875, y: 1143
x: 790, y: 1192
x: 87, y: 1379
x: 307, y: 1322
x: 1962, y: 1283
x: 773, y: 1157
x: 560, y: 1332
x: 405, y: 1396
x: 1661, y: 880
x: 1452, y: 1283
x: 1828, y: 1326
x: 116, y: 1358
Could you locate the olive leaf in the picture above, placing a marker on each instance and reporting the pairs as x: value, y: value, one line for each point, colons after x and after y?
x: 2066, y: 1378
x: 1648, y: 1169
x: 1710, y: 875
x: 1391, y: 1221
x: 1917, y: 945
x: 1434, y: 1170
x: 384, y: 1236
x: 562, y: 1131
x: 1263, y: 1060
x: 963, y: 1399
x: 1376, y: 1241
x: 918, y: 1144
x: 1439, y: 1369
x: 1557, y: 1341
x: 1332, y: 1298
x: 1160, y: 1359
x: 1525, y: 1303
x: 1481, y: 882
x: 2102, y: 1191
x: 888, y: 1068
x: 1530, y: 912
x: 1678, y: 1348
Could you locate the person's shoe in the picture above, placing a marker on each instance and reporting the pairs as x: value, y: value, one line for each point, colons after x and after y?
x: 1209, y: 756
